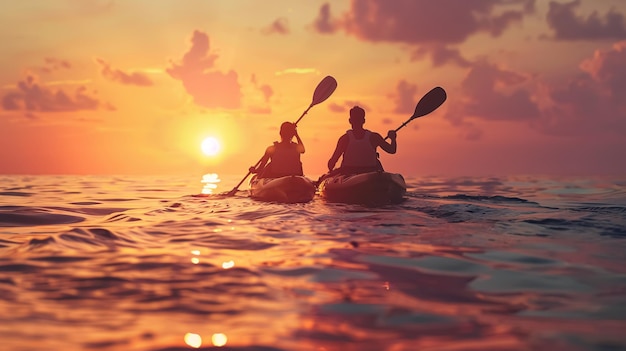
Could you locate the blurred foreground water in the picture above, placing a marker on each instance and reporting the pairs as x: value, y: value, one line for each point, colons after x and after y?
x: 160, y: 263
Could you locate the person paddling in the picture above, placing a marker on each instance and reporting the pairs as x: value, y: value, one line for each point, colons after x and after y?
x: 283, y: 156
x: 358, y: 147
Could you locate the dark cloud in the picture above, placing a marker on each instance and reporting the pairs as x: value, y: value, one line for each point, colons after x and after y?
x: 405, y: 98
x: 493, y: 93
x: 279, y: 26
x: 208, y: 87
x: 567, y: 25
x: 589, y: 103
x: 441, y: 55
x: 324, y: 23
x: 424, y: 21
x: 31, y: 96
x: 117, y: 75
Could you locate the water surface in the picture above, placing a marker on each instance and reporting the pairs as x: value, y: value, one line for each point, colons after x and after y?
x: 152, y: 263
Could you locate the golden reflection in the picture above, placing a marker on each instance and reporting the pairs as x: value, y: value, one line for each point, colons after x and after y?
x: 193, y: 340
x: 229, y: 264
x: 195, y: 260
x: 210, y: 181
x: 219, y: 339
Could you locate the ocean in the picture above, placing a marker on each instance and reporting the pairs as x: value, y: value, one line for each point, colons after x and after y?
x: 169, y: 263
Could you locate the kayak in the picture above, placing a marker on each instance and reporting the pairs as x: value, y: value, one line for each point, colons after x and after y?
x: 371, y: 188
x: 289, y: 189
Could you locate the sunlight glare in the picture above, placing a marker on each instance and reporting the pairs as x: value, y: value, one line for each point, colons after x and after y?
x: 193, y: 340
x: 210, y: 146
x: 219, y: 339
x: 210, y: 181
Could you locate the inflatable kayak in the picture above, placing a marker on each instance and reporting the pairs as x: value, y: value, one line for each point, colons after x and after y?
x: 289, y: 189
x: 372, y: 188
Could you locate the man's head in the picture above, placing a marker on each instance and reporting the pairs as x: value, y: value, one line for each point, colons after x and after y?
x: 287, y: 130
x: 357, y: 116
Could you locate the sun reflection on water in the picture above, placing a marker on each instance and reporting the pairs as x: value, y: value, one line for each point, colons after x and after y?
x: 193, y: 340
x: 195, y: 260
x: 219, y: 339
x: 210, y: 181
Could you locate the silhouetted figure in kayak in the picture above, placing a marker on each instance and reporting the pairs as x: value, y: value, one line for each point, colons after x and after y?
x: 358, y: 147
x: 284, y: 156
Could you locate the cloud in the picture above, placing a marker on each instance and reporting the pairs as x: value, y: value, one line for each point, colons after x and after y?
x: 279, y: 26
x: 266, y: 91
x: 609, y: 68
x: 568, y: 26
x: 493, y: 93
x: 117, y: 75
x: 54, y: 64
x: 405, y: 97
x: 440, y: 55
x: 31, y: 96
x: 324, y: 23
x: 590, y: 102
x: 346, y: 105
x: 423, y: 21
x: 208, y: 87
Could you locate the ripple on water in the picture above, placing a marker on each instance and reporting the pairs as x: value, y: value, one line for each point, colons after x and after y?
x: 22, y: 216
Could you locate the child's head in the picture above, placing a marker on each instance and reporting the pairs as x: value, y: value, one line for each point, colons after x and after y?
x: 287, y: 130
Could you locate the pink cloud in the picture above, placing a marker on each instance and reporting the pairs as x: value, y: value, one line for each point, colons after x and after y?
x: 589, y: 103
x: 209, y: 88
x: 592, y: 102
x: 54, y: 64
x: 609, y: 68
x: 324, y: 23
x: 265, y: 89
x: 440, y: 55
x: 424, y: 21
x: 567, y: 25
x: 279, y: 26
x: 31, y: 96
x: 405, y: 97
x: 117, y: 75
x: 493, y: 93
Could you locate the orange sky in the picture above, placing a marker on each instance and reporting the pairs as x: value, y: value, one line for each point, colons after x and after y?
x: 133, y: 87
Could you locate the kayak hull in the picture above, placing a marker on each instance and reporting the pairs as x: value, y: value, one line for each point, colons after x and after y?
x: 372, y: 188
x: 289, y: 189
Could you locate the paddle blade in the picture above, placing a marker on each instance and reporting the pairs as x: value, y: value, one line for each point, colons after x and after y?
x: 324, y: 90
x: 430, y: 102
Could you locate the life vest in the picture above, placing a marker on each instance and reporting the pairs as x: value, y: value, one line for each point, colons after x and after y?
x: 285, y: 160
x: 359, y: 153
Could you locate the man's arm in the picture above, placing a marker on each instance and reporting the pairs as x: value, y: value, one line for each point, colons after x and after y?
x: 388, y: 147
x: 342, y: 143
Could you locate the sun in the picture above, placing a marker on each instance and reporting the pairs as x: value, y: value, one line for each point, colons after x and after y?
x: 210, y: 146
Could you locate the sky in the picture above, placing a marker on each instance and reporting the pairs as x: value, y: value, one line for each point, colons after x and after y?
x: 135, y: 86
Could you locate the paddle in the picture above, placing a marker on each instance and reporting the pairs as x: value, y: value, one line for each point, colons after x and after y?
x: 323, y: 91
x: 427, y: 104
